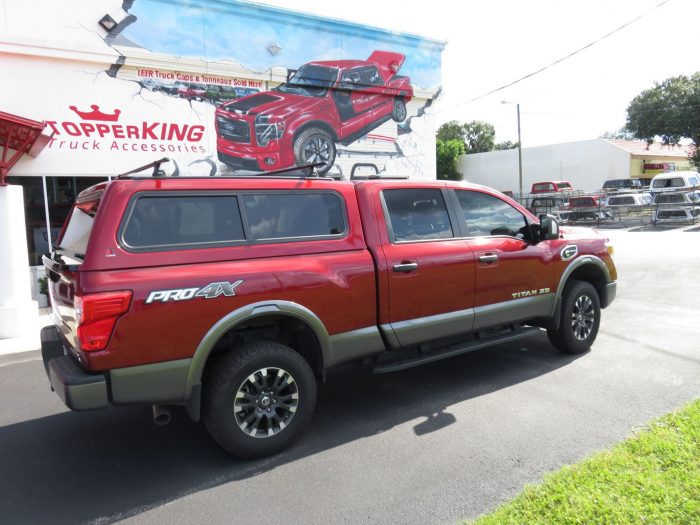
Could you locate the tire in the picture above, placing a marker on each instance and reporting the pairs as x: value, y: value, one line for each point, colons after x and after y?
x: 399, y: 113
x: 580, y: 319
x: 314, y: 145
x: 246, y: 411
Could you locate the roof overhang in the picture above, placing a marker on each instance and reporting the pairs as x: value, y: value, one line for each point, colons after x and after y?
x: 19, y: 135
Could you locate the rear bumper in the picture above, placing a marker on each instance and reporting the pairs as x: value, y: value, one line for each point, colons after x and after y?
x: 78, y: 389
x: 154, y: 383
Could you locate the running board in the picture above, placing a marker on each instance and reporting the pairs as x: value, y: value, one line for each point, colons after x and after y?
x: 453, y: 350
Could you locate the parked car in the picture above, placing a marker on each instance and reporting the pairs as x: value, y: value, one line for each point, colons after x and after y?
x: 585, y: 208
x: 174, y: 88
x: 219, y: 94
x: 556, y: 186
x: 192, y: 91
x: 675, y: 181
x: 615, y: 185
x: 681, y: 206
x: 245, y: 91
x: 546, y: 205
x: 323, y: 103
x: 231, y: 296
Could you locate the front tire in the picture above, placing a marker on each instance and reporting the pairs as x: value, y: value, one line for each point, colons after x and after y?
x: 399, y: 113
x: 314, y: 145
x: 580, y: 319
x: 258, y: 398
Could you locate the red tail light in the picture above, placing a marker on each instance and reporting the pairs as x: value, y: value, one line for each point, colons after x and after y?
x: 96, y: 314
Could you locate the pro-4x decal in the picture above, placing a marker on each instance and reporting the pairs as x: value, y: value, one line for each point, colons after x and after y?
x: 569, y: 252
x: 210, y: 291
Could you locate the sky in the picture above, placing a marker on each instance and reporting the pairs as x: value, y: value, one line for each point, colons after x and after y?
x: 491, y: 43
x: 195, y: 32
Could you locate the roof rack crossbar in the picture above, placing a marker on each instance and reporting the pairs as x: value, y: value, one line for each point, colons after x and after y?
x: 157, y: 170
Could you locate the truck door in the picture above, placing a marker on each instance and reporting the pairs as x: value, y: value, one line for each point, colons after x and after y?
x: 429, y: 269
x: 514, y: 277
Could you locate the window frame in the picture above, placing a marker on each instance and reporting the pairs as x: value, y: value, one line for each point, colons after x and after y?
x: 462, y: 222
x: 238, y: 194
x: 444, y: 192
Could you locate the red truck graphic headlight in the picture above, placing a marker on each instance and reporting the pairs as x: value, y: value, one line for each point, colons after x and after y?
x: 266, y: 130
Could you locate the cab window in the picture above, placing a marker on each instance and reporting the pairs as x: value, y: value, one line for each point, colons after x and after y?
x: 417, y: 214
x: 486, y: 215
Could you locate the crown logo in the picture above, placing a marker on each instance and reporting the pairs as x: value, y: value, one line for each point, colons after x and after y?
x: 96, y: 114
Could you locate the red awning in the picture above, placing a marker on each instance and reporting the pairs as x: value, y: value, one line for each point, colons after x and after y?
x: 18, y: 135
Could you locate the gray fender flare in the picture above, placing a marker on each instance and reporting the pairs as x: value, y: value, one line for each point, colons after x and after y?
x: 573, y: 266
x: 243, y: 314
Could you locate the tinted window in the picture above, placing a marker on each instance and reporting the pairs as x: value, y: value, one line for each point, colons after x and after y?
x: 182, y: 221
x: 564, y: 186
x: 417, y: 214
x: 284, y: 215
x: 543, y: 187
x: 675, y: 182
x: 488, y: 215
x: 670, y: 199
x: 617, y: 201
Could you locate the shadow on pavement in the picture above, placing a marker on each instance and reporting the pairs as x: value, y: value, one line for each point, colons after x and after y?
x: 111, y: 464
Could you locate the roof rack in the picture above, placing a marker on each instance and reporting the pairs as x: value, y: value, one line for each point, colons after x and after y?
x: 300, y: 172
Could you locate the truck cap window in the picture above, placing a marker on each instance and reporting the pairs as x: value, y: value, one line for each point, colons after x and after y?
x: 294, y: 215
x: 417, y: 214
x: 488, y: 215
x: 183, y: 221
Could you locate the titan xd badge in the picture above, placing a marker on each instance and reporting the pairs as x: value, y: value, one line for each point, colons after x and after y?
x: 209, y: 291
x: 569, y: 252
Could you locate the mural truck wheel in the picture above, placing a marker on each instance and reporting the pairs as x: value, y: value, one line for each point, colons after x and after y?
x: 399, y: 113
x: 314, y: 145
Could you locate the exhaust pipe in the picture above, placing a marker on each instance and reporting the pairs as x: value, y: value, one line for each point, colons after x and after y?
x: 161, y: 415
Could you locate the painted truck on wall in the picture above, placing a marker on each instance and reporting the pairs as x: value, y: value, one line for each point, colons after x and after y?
x: 300, y: 121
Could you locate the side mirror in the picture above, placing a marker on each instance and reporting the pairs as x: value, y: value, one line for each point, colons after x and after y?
x: 549, y: 228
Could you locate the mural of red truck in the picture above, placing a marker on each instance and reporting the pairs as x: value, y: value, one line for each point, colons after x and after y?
x: 300, y: 121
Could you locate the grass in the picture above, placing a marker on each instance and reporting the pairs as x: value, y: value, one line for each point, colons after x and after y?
x: 650, y: 478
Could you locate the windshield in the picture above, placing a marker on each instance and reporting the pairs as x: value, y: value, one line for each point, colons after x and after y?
x: 312, y: 81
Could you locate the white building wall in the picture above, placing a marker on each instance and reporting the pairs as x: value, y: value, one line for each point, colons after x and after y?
x: 586, y: 164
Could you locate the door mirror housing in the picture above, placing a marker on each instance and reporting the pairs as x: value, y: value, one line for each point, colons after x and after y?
x: 549, y: 228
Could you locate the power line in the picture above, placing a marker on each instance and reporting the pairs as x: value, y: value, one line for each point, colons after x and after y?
x: 556, y: 61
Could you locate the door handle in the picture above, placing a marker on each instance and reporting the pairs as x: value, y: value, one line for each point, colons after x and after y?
x: 488, y: 258
x: 406, y: 267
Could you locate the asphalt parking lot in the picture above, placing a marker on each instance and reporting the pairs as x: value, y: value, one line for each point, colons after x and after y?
x: 427, y: 445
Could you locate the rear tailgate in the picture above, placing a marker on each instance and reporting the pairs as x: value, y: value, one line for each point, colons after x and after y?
x: 63, y: 265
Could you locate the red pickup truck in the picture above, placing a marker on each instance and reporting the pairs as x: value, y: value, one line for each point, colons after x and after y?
x: 230, y: 296
x: 323, y: 103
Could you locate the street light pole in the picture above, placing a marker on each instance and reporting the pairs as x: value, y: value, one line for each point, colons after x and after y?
x: 520, y: 149
x: 520, y: 154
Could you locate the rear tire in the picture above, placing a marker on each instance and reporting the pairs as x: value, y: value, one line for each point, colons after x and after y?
x: 258, y: 398
x: 580, y: 319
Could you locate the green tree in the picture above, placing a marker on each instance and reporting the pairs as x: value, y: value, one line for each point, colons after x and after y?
x: 479, y: 136
x: 448, y: 153
x: 506, y: 144
x: 451, y: 130
x: 621, y: 134
x: 670, y: 110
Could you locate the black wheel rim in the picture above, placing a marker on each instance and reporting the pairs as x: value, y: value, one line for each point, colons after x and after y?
x: 400, y: 111
x: 266, y: 402
x: 317, y: 149
x: 583, y: 317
